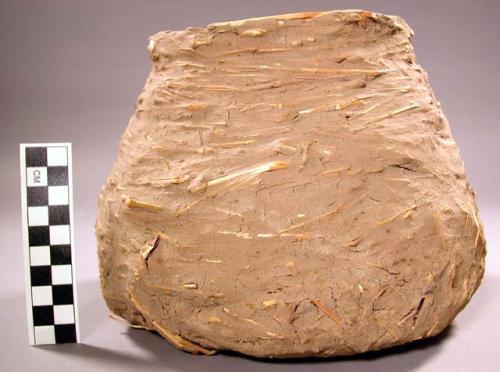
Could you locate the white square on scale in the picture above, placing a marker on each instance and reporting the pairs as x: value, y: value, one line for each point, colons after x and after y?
x: 40, y: 255
x: 57, y: 156
x: 36, y: 176
x: 61, y: 274
x: 41, y: 295
x: 59, y: 234
x: 63, y: 314
x: 58, y: 195
x: 38, y: 216
x: 45, y: 335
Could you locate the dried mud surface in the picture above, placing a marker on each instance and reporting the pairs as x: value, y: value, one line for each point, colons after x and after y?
x: 288, y: 186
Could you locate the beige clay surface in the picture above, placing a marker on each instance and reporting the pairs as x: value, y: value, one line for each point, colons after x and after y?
x: 288, y: 186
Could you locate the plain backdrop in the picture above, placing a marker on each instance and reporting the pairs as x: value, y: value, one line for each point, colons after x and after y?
x: 70, y: 71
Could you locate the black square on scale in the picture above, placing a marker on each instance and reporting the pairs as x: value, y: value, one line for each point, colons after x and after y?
x: 60, y: 254
x: 57, y: 176
x: 62, y: 294
x: 41, y: 275
x: 36, y: 156
x: 58, y: 215
x: 37, y: 196
x: 65, y: 333
x: 43, y: 315
x: 39, y: 235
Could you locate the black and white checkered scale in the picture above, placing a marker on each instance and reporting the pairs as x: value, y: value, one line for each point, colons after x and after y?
x: 49, y: 235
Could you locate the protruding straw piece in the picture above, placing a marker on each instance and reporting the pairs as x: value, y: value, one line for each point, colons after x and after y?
x: 134, y: 203
x: 325, y: 310
x: 267, y: 167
